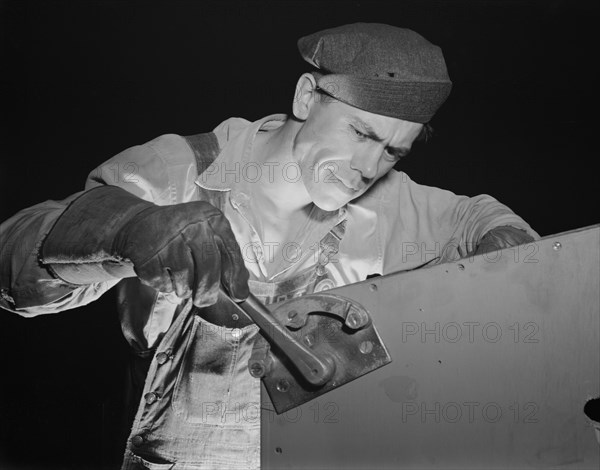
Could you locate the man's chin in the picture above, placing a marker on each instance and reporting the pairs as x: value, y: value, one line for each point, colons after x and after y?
x: 329, y: 205
x: 334, y: 197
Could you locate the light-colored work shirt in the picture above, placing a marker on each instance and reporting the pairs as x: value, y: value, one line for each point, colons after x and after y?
x: 396, y: 225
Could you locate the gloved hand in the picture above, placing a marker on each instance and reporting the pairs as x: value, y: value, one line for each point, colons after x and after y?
x: 502, y: 237
x: 188, y: 248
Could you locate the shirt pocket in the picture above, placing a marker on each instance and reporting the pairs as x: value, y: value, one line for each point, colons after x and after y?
x: 213, y: 386
x: 135, y: 462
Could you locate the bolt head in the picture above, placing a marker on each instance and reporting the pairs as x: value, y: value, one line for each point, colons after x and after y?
x: 257, y: 370
x: 283, y: 386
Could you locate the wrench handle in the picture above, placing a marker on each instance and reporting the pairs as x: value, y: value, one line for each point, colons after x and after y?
x: 315, y: 370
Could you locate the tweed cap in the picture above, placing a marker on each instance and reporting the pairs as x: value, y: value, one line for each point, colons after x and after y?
x: 379, y: 68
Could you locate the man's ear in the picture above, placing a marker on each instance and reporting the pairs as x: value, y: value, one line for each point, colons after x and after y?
x: 304, y: 96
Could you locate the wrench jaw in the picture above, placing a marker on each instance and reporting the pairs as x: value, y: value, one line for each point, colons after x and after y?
x: 338, y: 330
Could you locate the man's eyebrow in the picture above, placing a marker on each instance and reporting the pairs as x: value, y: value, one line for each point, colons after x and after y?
x: 371, y: 134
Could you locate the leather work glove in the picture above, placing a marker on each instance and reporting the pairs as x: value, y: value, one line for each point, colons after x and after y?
x: 502, y: 237
x: 187, y: 248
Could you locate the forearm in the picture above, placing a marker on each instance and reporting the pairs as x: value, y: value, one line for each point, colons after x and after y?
x: 161, y: 171
x: 483, y: 219
x: 79, y: 247
x: 432, y: 225
x: 28, y: 287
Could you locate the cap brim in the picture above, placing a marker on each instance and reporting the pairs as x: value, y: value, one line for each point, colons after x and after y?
x: 406, y: 100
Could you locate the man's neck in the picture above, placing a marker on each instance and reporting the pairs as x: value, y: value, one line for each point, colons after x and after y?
x: 280, y: 192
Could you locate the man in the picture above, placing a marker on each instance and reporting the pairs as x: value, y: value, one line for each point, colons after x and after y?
x: 279, y: 207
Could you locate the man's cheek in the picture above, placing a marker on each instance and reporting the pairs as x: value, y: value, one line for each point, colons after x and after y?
x: 329, y: 170
x: 320, y: 176
x: 384, y: 169
x: 319, y: 169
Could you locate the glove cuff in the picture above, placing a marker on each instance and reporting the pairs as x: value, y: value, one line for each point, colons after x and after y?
x: 502, y: 237
x: 78, y: 248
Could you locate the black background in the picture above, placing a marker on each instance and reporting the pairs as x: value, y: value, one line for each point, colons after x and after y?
x: 84, y: 80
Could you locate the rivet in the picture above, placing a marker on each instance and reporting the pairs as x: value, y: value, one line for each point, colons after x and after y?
x: 366, y: 347
x: 235, y: 317
x: 557, y: 246
x: 309, y: 340
x: 373, y: 287
x: 292, y: 314
x: 461, y: 267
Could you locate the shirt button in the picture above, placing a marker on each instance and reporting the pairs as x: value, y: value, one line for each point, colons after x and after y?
x: 137, y: 440
x: 162, y: 357
x: 236, y: 333
x: 321, y: 270
x: 150, y: 397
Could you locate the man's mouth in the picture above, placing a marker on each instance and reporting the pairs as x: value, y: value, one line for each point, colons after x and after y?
x: 351, y: 187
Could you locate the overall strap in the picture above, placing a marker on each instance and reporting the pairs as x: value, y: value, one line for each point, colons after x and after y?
x: 206, y: 149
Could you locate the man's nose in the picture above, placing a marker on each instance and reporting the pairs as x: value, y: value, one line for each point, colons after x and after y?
x: 367, y: 162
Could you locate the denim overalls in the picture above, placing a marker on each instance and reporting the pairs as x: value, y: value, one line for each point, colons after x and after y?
x: 200, y: 407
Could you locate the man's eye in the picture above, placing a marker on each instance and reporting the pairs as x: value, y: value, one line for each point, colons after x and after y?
x: 358, y: 133
x: 392, y: 156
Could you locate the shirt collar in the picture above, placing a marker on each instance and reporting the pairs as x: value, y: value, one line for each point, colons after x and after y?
x: 234, y: 168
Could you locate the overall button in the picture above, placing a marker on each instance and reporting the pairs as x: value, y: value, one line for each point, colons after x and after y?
x: 236, y: 333
x: 325, y: 284
x: 162, y: 357
x: 150, y: 397
x: 137, y: 440
x: 329, y: 249
x: 321, y: 270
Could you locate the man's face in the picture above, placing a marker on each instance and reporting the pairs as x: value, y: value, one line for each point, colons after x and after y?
x: 342, y: 150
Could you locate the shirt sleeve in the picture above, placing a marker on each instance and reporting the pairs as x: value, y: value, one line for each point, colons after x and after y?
x: 26, y: 286
x: 161, y: 171
x: 422, y: 224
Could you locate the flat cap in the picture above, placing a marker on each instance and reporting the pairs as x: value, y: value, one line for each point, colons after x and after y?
x: 379, y: 68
